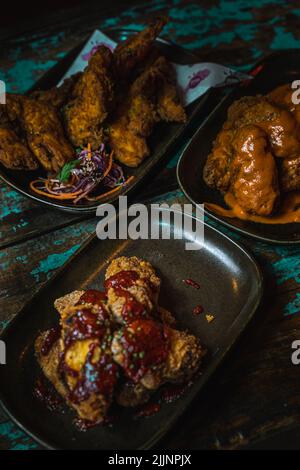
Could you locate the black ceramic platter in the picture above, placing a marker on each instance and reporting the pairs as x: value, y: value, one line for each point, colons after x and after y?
x: 277, y: 69
x: 219, y: 262
x: 161, y: 142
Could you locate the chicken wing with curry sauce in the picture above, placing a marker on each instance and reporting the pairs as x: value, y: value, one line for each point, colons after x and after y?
x: 257, y: 153
x: 254, y: 180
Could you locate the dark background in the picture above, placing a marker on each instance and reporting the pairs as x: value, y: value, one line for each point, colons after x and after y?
x: 14, y: 15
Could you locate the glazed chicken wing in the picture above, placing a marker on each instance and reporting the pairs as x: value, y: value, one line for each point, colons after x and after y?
x: 92, y: 99
x: 132, y: 288
x: 45, y: 134
x: 170, y: 356
x: 80, y: 363
x: 104, y: 349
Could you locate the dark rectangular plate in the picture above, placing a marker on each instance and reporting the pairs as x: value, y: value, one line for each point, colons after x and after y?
x: 278, y: 68
x: 162, y: 141
x: 231, y: 289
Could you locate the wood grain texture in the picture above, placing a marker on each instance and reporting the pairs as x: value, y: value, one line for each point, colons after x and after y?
x: 254, y: 395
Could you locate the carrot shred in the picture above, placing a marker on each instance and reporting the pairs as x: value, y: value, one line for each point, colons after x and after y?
x: 118, y: 188
x: 53, y: 196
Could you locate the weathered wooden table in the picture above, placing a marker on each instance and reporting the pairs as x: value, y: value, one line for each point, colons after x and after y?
x: 253, y: 400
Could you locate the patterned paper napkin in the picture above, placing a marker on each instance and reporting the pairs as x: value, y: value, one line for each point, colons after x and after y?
x: 193, y: 80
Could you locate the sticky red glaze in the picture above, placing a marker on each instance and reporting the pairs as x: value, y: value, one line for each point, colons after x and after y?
x: 96, y: 298
x: 132, y: 308
x: 148, y: 410
x: 44, y: 392
x: 51, y: 337
x: 198, y: 309
x: 192, y: 283
x: 123, y: 279
x: 99, y: 377
x: 92, y: 296
x: 144, y: 345
x: 84, y: 324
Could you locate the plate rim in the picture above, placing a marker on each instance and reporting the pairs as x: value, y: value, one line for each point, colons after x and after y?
x: 215, y: 361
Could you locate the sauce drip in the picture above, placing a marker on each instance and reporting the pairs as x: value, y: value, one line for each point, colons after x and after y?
x: 51, y: 337
x: 192, y: 283
x: 147, y: 410
x: 198, y: 310
x: 144, y: 346
x: 289, y: 211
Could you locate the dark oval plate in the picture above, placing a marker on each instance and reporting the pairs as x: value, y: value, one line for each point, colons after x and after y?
x: 220, y: 262
x: 162, y: 141
x: 276, y: 69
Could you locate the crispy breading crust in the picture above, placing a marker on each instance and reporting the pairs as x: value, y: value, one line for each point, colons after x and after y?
x: 93, y: 409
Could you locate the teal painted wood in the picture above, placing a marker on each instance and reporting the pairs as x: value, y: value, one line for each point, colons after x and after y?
x: 232, y: 32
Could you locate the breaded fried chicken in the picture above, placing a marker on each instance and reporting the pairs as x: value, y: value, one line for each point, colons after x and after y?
x: 14, y: 151
x: 130, y: 53
x: 91, y: 100
x: 151, y: 98
x: 45, y: 134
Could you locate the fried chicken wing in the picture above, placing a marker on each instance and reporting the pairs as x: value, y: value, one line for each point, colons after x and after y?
x: 14, y: 151
x: 84, y: 372
x: 132, y: 288
x: 130, y: 53
x: 92, y: 99
x: 151, y: 98
x: 170, y: 356
x: 45, y: 134
x: 57, y: 96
